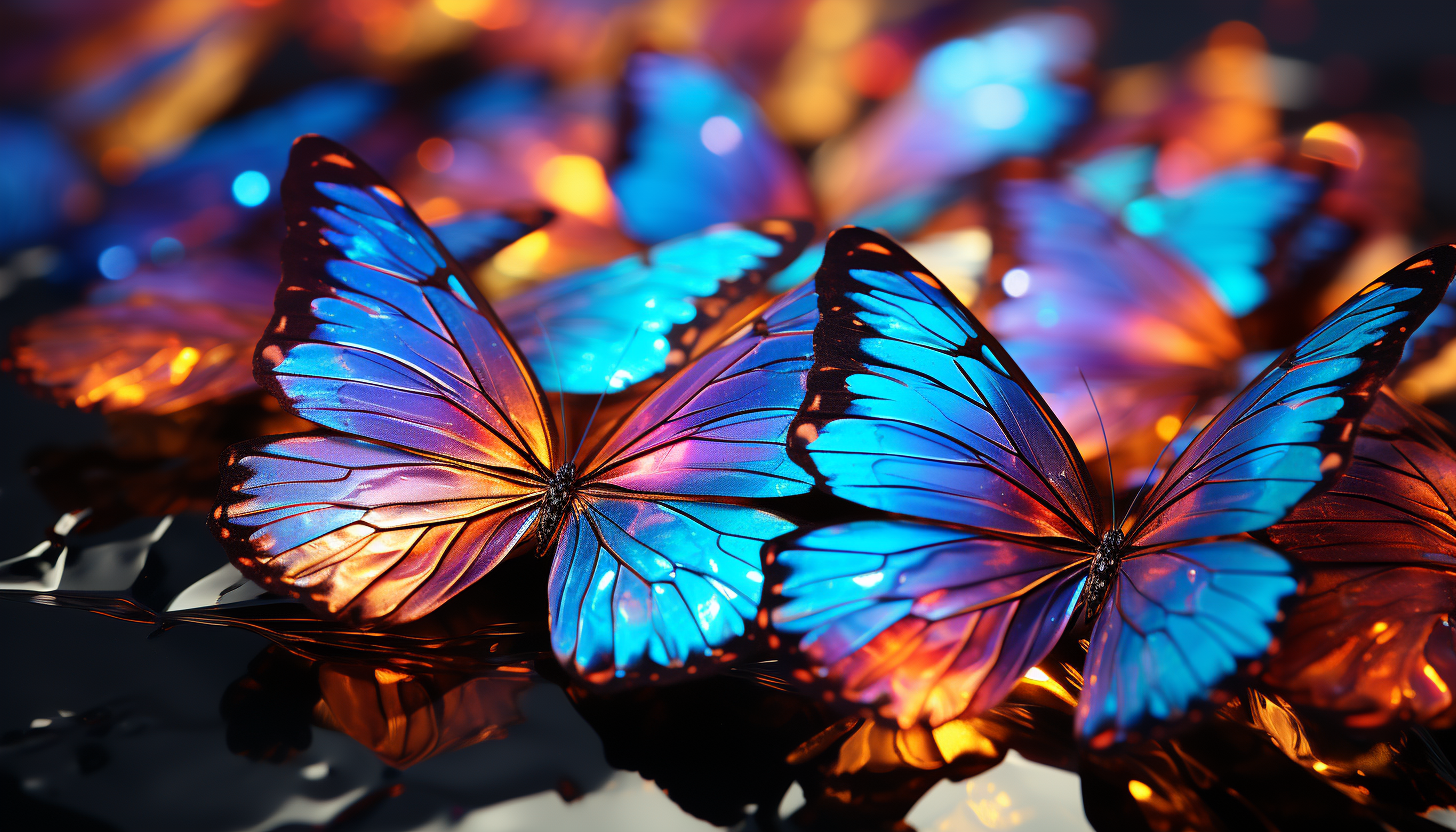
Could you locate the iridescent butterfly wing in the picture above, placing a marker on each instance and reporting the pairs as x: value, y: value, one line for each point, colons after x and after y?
x: 1370, y: 635
x: 378, y: 334
x: 657, y: 567
x: 673, y: 301
x: 961, y: 441
x: 475, y: 236
x: 155, y: 342
x: 698, y: 152
x: 913, y: 408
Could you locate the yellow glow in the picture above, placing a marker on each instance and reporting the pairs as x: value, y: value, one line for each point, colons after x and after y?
x: 836, y: 24
x: 956, y: 738
x: 1436, y: 679
x: 1320, y: 766
x: 520, y: 258
x: 463, y: 9
x: 576, y: 184
x: 1167, y: 427
x: 1378, y: 628
x: 1036, y: 674
x: 184, y: 362
x: 1139, y: 790
x: 129, y: 396
x: 1333, y: 142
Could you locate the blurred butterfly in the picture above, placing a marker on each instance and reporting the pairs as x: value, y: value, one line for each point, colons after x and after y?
x: 447, y: 457
x: 914, y: 408
x: 698, y: 151
x: 171, y: 337
x: 1225, y: 225
x: 1370, y: 635
x: 219, y: 185
x: 973, y: 102
x: 1089, y: 299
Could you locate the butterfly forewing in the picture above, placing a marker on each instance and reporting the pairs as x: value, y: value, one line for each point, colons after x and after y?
x: 378, y: 334
x: 642, y: 317
x: 913, y: 407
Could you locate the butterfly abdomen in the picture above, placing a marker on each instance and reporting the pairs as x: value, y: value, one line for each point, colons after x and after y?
x: 559, y: 491
x: 1101, y: 573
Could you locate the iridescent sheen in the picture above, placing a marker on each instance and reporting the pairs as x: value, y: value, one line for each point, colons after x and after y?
x: 699, y: 152
x: 446, y: 456
x: 672, y: 301
x: 1370, y: 635
x: 914, y: 408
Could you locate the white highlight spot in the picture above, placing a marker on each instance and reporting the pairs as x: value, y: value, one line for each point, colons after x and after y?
x: 1016, y: 282
x: 869, y: 580
x: 721, y: 135
x: 315, y: 771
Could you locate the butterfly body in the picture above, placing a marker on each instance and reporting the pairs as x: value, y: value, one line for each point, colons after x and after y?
x: 1102, y: 572
x: 441, y: 456
x: 560, y: 490
x: 996, y: 534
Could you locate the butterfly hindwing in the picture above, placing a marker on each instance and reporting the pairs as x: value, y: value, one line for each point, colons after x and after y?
x: 658, y: 583
x: 658, y: 566
x: 666, y: 305
x: 929, y: 621
x: 365, y: 531
x: 913, y: 407
x: 1178, y: 622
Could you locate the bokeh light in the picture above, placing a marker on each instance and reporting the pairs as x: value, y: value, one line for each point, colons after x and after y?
x: 250, y: 188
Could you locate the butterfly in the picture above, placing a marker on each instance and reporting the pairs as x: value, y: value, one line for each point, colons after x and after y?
x: 1370, y: 634
x: 183, y: 334
x: 444, y: 456
x: 914, y: 408
x: 697, y: 151
x: 1225, y: 225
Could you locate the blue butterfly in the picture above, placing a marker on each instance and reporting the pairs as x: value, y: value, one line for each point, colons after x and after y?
x: 1225, y: 226
x: 698, y: 152
x: 605, y: 329
x: 443, y: 457
x: 914, y: 408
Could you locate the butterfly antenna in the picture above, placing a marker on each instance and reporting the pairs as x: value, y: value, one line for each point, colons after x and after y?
x: 620, y: 358
x: 1152, y: 470
x: 560, y: 382
x: 1112, y: 495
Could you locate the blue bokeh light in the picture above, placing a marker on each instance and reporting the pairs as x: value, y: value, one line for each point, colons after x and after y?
x: 250, y: 188
x: 116, y: 262
x: 167, y: 250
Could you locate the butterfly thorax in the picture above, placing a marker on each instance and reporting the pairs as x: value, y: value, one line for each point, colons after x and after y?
x: 559, y: 490
x: 1101, y: 573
